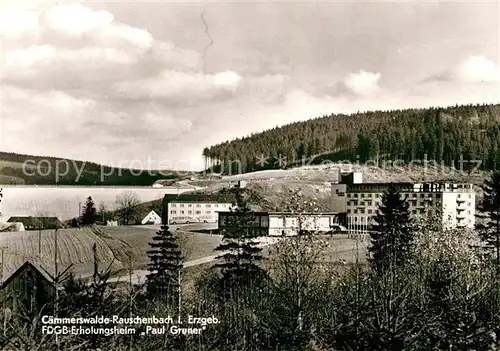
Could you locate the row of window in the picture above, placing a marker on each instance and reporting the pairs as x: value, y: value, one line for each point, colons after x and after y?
x: 199, y: 205
x: 370, y: 211
x: 368, y: 219
x: 370, y: 203
x: 253, y: 221
x: 191, y: 212
x: 361, y: 210
x: 356, y: 203
x: 362, y: 195
x: 406, y: 196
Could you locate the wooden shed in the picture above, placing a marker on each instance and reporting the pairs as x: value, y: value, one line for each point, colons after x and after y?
x: 28, y: 289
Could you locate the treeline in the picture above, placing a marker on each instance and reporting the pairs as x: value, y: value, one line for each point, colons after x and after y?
x: 446, y: 135
x: 28, y: 169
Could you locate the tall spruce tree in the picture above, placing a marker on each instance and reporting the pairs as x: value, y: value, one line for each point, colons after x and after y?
x: 89, y: 214
x: 165, y: 264
x: 392, y: 237
x: 240, y: 252
x: 489, y: 227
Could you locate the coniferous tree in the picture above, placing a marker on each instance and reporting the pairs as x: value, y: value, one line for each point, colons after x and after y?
x: 392, y: 237
x: 165, y: 264
x: 89, y: 212
x: 490, y: 207
x: 240, y: 252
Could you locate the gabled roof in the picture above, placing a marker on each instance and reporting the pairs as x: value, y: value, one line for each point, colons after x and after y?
x: 29, y: 221
x: 152, y: 215
x: 27, y: 265
x: 152, y: 212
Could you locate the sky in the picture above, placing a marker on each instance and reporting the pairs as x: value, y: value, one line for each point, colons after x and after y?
x: 150, y: 84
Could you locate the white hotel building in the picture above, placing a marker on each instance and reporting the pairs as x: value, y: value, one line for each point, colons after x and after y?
x: 181, y: 212
x: 456, y: 202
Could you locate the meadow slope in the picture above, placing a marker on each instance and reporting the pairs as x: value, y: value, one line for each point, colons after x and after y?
x: 116, y: 248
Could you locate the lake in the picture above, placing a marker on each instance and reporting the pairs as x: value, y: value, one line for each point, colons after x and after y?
x: 64, y: 202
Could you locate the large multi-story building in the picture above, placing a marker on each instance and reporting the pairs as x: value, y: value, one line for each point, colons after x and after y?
x: 278, y: 223
x: 454, y: 202
x: 192, y: 208
x: 180, y: 212
x: 197, y: 207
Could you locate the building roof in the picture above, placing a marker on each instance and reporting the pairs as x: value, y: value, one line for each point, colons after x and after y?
x: 386, y: 184
x: 151, y: 213
x: 193, y: 197
x: 28, y: 265
x: 11, y: 227
x: 29, y: 221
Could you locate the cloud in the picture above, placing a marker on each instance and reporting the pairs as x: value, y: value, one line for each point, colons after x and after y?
x: 140, y: 37
x: 42, y: 118
x: 362, y: 82
x: 226, y: 78
x: 46, y: 62
x: 76, y: 19
x: 168, y: 55
x: 152, y: 121
x: 88, y: 48
x: 180, y: 85
x: 28, y: 57
x: 474, y: 69
x: 17, y: 22
x: 478, y: 69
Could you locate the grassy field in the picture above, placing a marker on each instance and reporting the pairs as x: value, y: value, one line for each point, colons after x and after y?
x: 116, y: 247
x: 74, y: 247
x: 340, y: 248
x: 341, y: 251
x: 126, y: 246
x: 194, y: 245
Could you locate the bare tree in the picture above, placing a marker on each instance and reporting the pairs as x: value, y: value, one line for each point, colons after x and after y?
x: 126, y: 207
x: 102, y: 212
x: 297, y: 265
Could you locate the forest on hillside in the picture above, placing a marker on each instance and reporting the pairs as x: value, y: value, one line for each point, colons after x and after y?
x: 41, y: 170
x: 446, y: 135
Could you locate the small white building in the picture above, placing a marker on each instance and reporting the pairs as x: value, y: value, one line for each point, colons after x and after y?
x: 112, y: 223
x: 290, y: 224
x: 151, y: 218
x: 279, y: 223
